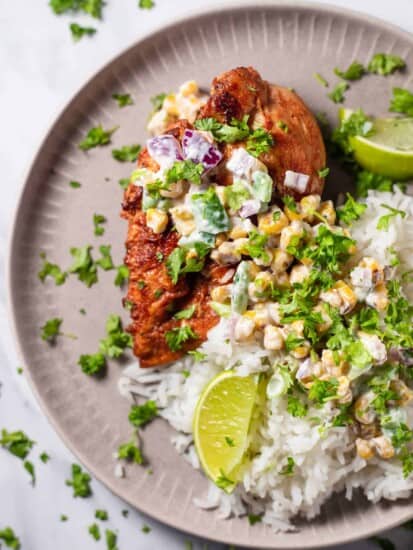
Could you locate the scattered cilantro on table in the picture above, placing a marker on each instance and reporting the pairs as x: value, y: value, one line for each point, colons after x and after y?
x: 140, y: 415
x: 92, y: 364
x: 51, y: 270
x: 254, y: 518
x: 122, y: 275
x: 98, y: 221
x: 130, y: 451
x: 105, y: 261
x: 127, y: 153
x: 385, y: 64
x: 80, y: 482
x: 102, y: 515
x: 123, y: 100
x: 146, y: 4
x: 75, y: 184
x: 402, y: 102
x: 78, y: 32
x: 90, y: 7
x: 9, y: 538
x: 83, y: 265
x: 321, y: 79
x: 17, y: 443
x: 111, y: 540
x: 354, y: 72
x: 51, y: 329
x: 116, y: 340
x: 29, y: 467
x: 124, y: 182
x: 44, y: 457
x: 337, y: 94
x: 157, y: 101
x: 146, y: 529
x: 94, y: 531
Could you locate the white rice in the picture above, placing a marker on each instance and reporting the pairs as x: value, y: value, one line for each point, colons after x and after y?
x: 325, y: 459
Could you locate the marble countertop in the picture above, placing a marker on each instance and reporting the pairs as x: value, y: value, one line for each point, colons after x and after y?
x: 41, y: 68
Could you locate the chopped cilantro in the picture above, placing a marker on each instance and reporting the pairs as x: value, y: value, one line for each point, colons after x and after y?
x: 357, y: 355
x: 197, y: 355
x: 80, y: 482
x: 75, y: 184
x: 229, y: 441
x: 123, y: 99
x: 83, y: 265
x: 384, y: 221
x: 130, y: 451
x: 321, y: 79
x: 323, y: 173
x: 92, y: 364
x: 187, y: 170
x: 146, y: 4
x: 235, y: 195
x: 91, y: 7
x: 256, y: 246
x: 402, y: 101
x: 79, y: 32
x: 337, y: 95
x: 125, y: 513
x: 116, y: 340
x: 17, y: 443
x: 351, y: 210
x: 322, y: 391
x: 111, y: 540
x: 288, y: 469
x: 9, y: 538
x: 141, y: 284
x: 385, y: 64
x: 223, y: 481
x: 367, y: 180
x: 63, y: 517
x: 96, y: 137
x: 293, y: 341
x: 176, y: 337
x: 295, y: 407
x: 140, y: 415
x: 259, y: 142
x: 401, y: 435
x: 94, y: 531
x: 180, y: 262
x: 146, y: 529
x: 102, y: 515
x: 19, y: 370
x: 354, y: 72
x: 124, y: 182
x: 51, y: 329
x: 282, y: 126
x: 122, y: 275
x: 98, y: 220
x: 237, y: 130
x: 29, y: 467
x: 343, y: 417
x: 254, y: 518
x: 127, y: 153
x: 105, y: 262
x: 185, y: 313
x: 406, y: 458
x: 357, y: 124
x: 290, y: 203
x: 157, y: 101
x: 51, y: 270
x: 158, y: 292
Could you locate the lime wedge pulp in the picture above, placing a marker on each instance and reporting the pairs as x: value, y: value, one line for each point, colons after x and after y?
x: 389, y: 150
x: 221, y: 425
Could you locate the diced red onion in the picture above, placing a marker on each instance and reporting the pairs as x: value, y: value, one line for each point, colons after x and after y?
x: 198, y: 149
x: 296, y: 181
x: 249, y: 208
x: 165, y: 150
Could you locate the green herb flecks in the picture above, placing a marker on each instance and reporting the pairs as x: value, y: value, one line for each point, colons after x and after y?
x: 80, y: 482
x: 9, y: 538
x: 385, y: 64
x: 177, y: 337
x: 98, y: 221
x: 78, y: 32
x: 354, y: 72
x: 96, y: 137
x: 123, y: 100
x: 127, y: 153
x: 337, y: 95
x: 51, y: 270
x: 384, y: 221
x: 140, y: 415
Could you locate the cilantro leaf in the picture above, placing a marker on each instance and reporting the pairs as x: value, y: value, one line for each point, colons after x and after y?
x: 259, y: 142
x: 9, y: 538
x: 29, y: 467
x: 321, y: 79
x: 105, y: 262
x: 111, y: 540
x: 254, y: 518
x: 17, y: 443
x: 337, y: 95
x: 98, y: 220
x: 357, y: 124
x: 354, y: 72
x: 293, y: 341
x: 75, y: 184
x: 79, y: 32
x: 127, y: 153
x: 102, y: 515
x: 295, y: 407
x: 140, y: 415
x: 117, y: 340
x: 384, y: 221
x: 322, y: 391
x: 197, y: 355
x: 157, y: 101
x: 44, y: 457
x: 80, y: 482
x: 94, y: 531
x: 51, y: 329
x: 288, y: 469
x: 180, y: 262
x: 402, y: 102
x: 367, y: 180
x: 83, y: 265
x: 146, y: 529
x: 51, y: 270
x: 290, y: 203
x: 357, y: 355
x: 96, y: 137
x: 223, y: 481
x: 146, y: 4
x: 256, y: 246
x: 187, y: 170
x: 176, y: 337
x: 130, y: 451
x: 351, y: 210
x: 323, y: 173
x: 123, y: 99
x: 385, y: 64
x: 185, y: 313
x: 92, y: 7
x: 237, y: 130
x: 122, y: 275
x: 92, y: 364
x: 124, y: 182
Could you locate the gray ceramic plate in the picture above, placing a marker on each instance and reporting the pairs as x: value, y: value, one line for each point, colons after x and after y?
x: 287, y: 43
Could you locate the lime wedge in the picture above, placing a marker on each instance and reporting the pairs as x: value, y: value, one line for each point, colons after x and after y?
x: 221, y: 424
x: 389, y: 151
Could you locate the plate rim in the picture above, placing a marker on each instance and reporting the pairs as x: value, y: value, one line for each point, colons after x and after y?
x: 53, y: 120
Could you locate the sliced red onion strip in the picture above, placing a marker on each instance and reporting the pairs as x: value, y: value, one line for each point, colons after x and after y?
x: 164, y: 149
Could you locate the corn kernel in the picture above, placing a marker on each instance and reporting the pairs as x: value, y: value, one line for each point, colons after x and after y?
x: 308, y: 205
x: 301, y: 351
x: 295, y: 229
x: 238, y: 232
x: 365, y: 448
x: 299, y: 273
x: 341, y: 295
x: 221, y: 293
x: 183, y: 219
x: 328, y: 212
x: 189, y: 88
x: 157, y: 220
x: 272, y: 222
x: 273, y: 338
x: 281, y: 260
x: 244, y: 329
x: 383, y: 446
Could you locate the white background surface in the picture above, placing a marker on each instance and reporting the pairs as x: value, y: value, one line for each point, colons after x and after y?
x: 40, y: 69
